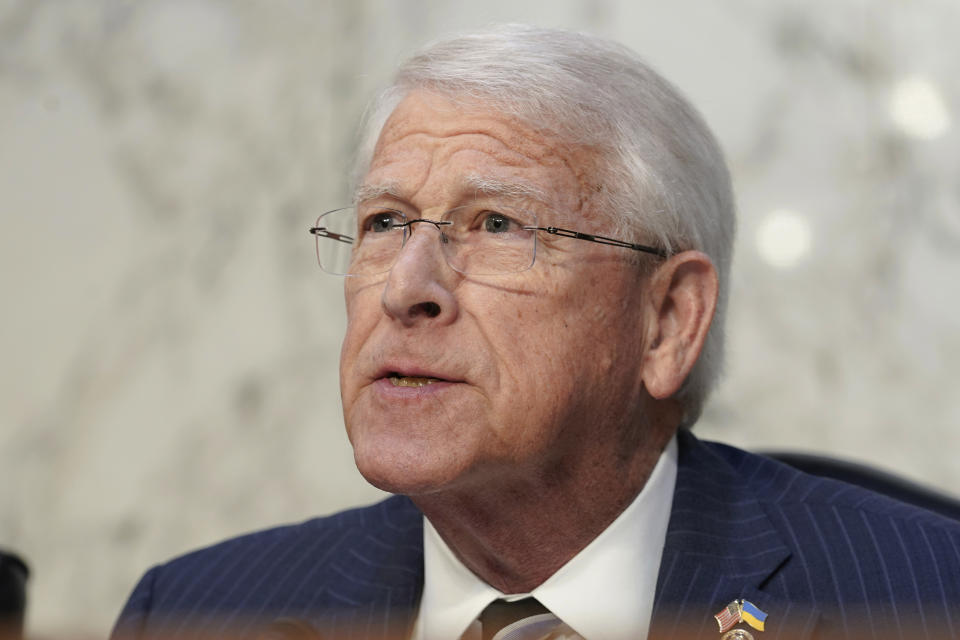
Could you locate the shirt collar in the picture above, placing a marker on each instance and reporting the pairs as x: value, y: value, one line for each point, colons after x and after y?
x: 604, y: 592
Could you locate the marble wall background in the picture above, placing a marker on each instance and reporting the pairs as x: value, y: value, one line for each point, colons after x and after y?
x: 169, y: 346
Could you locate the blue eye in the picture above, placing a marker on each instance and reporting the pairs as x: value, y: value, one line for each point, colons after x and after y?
x: 382, y: 221
x: 497, y: 223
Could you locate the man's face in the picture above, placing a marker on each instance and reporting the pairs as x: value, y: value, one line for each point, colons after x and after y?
x: 530, y: 373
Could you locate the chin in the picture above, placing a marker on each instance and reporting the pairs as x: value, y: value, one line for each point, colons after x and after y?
x: 404, y: 472
x: 409, y: 454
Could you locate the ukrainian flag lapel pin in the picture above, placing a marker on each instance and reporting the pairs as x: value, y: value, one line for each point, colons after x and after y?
x: 752, y: 615
x: 736, y: 612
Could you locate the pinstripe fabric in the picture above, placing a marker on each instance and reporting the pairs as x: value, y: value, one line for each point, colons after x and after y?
x: 355, y: 574
x: 821, y: 558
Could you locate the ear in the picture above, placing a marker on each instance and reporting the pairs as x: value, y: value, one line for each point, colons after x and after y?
x: 682, y: 297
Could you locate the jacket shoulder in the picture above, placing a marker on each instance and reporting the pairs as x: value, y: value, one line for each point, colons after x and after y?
x: 306, y: 570
x: 812, y: 552
x: 394, y: 516
x: 780, y: 486
x: 846, y: 546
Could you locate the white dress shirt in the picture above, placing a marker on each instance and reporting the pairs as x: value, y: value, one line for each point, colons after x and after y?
x: 605, y: 592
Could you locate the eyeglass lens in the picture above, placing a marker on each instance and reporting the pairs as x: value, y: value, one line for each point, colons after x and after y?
x: 474, y: 240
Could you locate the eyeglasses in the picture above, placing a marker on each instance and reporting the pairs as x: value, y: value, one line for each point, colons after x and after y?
x: 363, y: 241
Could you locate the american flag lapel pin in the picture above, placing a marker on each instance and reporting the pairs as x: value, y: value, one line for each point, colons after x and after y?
x: 736, y: 612
x: 728, y: 616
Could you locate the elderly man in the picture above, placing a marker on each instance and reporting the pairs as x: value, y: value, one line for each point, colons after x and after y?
x: 536, y: 268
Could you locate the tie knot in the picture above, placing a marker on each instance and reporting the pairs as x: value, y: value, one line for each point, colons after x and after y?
x: 500, y: 614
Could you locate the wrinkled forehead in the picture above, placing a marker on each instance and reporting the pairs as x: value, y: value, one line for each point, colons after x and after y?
x: 473, y: 146
x: 480, y: 185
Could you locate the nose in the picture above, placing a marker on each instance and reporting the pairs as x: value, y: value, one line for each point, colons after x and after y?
x: 420, y: 286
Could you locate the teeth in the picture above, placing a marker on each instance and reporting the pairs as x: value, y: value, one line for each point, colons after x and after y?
x: 405, y: 381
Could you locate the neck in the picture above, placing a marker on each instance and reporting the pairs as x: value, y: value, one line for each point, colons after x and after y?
x: 517, y: 531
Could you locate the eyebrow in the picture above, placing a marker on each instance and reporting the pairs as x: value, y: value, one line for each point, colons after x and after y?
x: 478, y: 184
x: 368, y: 191
x: 495, y: 187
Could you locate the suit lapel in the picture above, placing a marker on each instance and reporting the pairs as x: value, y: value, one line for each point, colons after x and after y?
x: 720, y: 546
x: 378, y: 578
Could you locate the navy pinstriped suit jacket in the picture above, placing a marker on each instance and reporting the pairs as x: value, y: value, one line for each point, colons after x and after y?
x: 821, y: 558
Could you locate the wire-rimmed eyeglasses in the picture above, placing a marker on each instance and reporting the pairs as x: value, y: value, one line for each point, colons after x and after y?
x: 475, y: 240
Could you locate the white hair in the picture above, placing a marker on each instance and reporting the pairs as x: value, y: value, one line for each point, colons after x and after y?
x: 662, y: 171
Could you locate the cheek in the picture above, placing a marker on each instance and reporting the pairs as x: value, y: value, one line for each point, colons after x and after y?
x: 362, y: 309
x: 533, y: 344
x: 593, y: 324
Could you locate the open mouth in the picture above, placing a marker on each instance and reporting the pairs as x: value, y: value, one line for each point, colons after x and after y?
x: 399, y: 380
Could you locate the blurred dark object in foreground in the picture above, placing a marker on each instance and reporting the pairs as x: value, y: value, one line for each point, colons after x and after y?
x: 13, y: 595
x: 289, y: 629
x: 873, y: 479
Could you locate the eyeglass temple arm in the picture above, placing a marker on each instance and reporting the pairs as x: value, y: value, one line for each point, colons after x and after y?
x: 323, y: 232
x: 567, y: 233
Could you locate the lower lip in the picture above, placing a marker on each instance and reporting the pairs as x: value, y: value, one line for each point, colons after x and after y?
x: 385, y: 387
